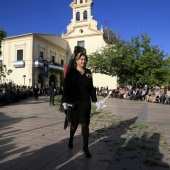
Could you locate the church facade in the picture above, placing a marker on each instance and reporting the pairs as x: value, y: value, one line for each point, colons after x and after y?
x: 40, y: 58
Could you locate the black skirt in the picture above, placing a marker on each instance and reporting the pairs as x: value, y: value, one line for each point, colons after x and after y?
x: 81, y: 113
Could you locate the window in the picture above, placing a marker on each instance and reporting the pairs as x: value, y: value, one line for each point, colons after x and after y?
x: 62, y: 62
x: 80, y: 43
x: 19, y: 55
x: 53, y: 59
x: 78, y: 16
x: 81, y: 1
x: 85, y: 15
x: 41, y: 55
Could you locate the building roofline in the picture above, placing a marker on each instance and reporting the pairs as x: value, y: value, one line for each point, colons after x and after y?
x: 28, y: 34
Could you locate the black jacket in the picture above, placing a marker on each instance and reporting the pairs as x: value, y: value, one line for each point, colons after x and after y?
x: 51, y: 89
x: 76, y: 89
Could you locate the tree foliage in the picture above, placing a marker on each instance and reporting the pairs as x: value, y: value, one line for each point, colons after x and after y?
x: 3, y: 70
x: 2, y: 35
x: 134, y: 61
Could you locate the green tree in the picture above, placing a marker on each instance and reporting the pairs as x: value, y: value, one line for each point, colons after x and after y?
x: 134, y: 61
x: 166, y: 66
x: 148, y: 61
x: 2, y: 35
x: 3, y: 70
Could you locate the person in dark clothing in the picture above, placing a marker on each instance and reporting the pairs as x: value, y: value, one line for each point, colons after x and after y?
x: 46, y: 90
x: 79, y: 90
x: 36, y: 91
x: 51, y: 93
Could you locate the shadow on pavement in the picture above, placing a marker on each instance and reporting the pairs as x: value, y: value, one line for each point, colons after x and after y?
x: 6, y: 123
x: 109, y: 147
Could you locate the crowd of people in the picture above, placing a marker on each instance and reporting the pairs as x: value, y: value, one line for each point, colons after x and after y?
x: 155, y: 94
x: 10, y: 93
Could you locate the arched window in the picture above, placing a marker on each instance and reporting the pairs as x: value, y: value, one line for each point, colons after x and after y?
x: 85, y: 15
x: 78, y: 16
x: 81, y: 1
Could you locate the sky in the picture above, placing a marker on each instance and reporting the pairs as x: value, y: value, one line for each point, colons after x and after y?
x: 128, y: 18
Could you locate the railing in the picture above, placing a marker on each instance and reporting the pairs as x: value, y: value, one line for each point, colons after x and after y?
x: 38, y: 63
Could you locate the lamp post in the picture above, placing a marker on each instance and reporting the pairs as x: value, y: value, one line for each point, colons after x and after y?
x: 24, y: 79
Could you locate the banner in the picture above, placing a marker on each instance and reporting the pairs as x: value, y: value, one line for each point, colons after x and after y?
x: 45, y: 70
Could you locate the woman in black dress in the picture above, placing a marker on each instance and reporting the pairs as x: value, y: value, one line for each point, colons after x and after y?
x: 78, y: 90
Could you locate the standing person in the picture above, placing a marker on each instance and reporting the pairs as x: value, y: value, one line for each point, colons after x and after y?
x: 46, y: 89
x: 36, y: 91
x: 51, y: 93
x: 78, y: 90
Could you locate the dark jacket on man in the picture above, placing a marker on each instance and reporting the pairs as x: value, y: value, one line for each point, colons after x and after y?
x: 51, y: 93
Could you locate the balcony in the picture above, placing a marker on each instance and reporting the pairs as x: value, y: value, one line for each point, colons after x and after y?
x: 19, y: 63
x: 38, y: 63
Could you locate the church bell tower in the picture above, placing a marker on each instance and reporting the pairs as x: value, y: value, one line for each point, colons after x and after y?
x: 82, y: 15
x: 82, y: 23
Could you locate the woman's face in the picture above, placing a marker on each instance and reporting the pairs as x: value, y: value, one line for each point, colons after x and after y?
x: 81, y: 62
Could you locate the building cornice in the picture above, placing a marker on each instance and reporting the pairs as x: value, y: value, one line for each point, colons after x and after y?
x: 36, y: 36
x: 84, y: 35
x: 95, y: 32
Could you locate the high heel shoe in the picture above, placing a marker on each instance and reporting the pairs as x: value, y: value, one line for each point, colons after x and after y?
x: 87, y: 153
x: 70, y: 145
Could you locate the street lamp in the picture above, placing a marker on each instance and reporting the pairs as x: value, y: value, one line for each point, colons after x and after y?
x: 24, y: 79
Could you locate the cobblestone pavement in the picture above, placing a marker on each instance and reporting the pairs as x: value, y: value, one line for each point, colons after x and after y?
x: 126, y: 135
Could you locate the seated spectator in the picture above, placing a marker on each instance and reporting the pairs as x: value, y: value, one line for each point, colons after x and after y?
x: 101, y: 91
x: 131, y: 94
x: 148, y: 97
x: 116, y: 92
x: 136, y: 94
x: 143, y: 94
x: 127, y: 95
x: 167, y: 96
x: 155, y: 97
x: 121, y: 93
x: 113, y: 93
x: 106, y: 92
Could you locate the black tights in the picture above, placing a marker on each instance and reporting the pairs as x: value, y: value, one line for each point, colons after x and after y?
x: 85, y: 134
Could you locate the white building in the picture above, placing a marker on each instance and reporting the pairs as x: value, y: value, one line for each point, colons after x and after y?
x: 26, y: 54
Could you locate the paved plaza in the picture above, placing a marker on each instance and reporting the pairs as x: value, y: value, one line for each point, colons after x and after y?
x: 126, y: 135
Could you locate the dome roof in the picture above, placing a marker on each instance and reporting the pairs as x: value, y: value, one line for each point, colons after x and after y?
x: 109, y: 36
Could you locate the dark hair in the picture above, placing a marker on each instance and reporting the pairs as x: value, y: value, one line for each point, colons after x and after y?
x: 78, y: 56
